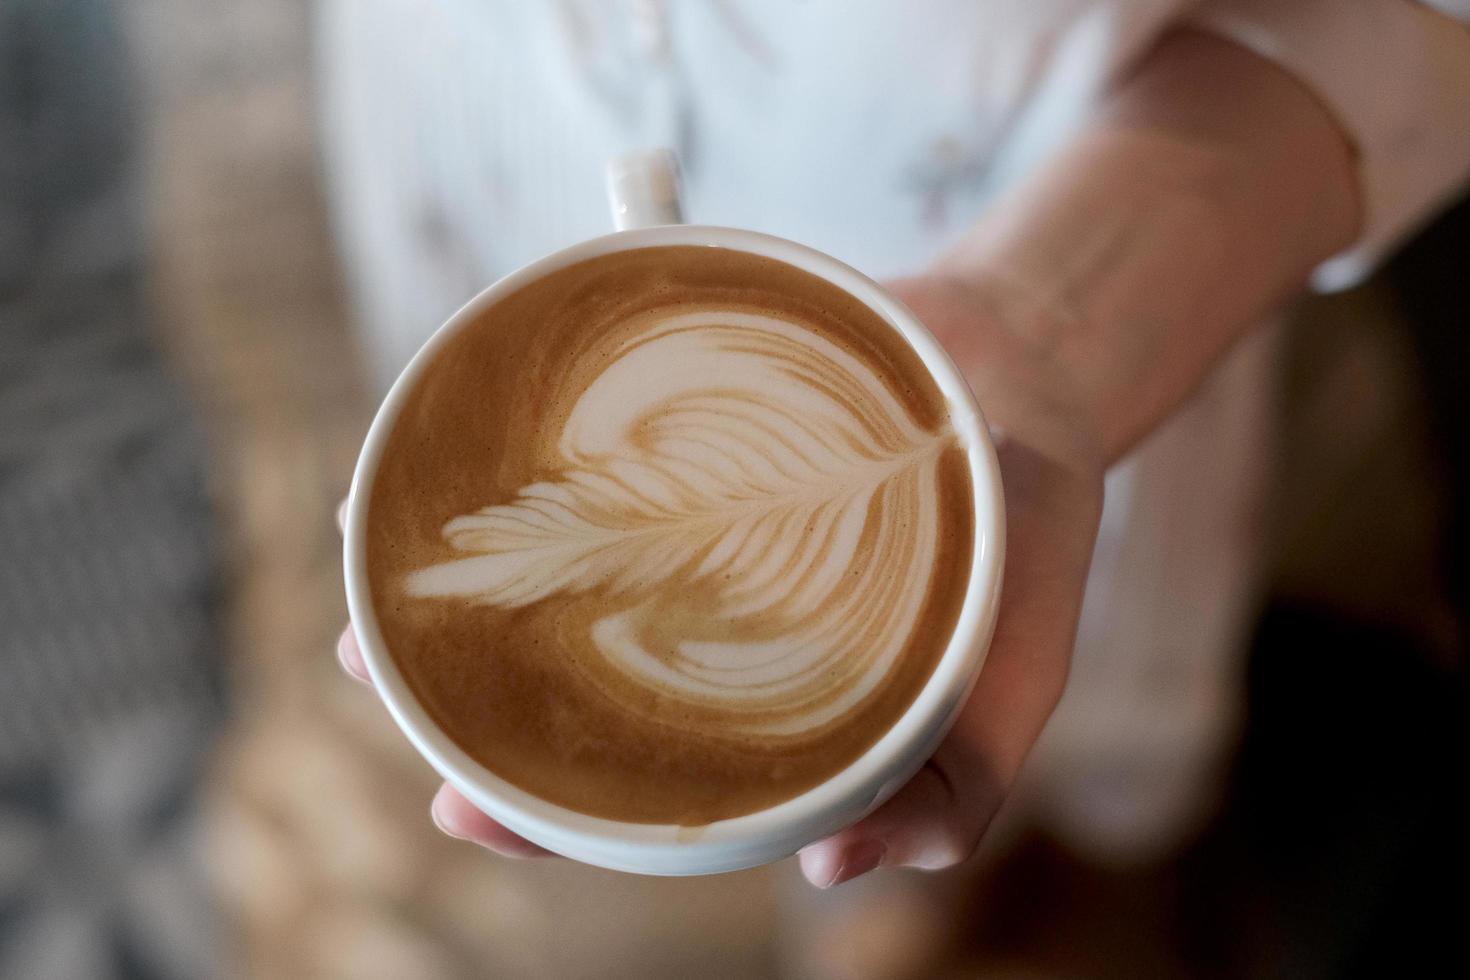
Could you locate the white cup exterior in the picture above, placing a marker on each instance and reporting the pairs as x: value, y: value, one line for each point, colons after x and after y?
x: 781, y: 830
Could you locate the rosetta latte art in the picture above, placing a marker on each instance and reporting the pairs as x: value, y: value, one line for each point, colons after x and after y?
x: 752, y: 510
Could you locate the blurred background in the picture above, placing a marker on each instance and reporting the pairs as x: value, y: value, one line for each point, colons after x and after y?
x: 189, y: 787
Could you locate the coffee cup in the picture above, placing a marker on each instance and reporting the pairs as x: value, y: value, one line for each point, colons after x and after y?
x: 645, y: 198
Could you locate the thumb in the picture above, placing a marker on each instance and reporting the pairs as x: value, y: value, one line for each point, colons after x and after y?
x: 935, y: 821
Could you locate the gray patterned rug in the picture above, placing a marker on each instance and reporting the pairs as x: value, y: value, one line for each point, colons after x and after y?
x: 110, y: 667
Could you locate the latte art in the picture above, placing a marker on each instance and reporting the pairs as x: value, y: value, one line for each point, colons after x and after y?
x: 738, y: 456
x: 670, y: 535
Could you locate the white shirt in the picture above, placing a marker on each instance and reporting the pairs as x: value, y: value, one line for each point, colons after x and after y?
x: 464, y: 138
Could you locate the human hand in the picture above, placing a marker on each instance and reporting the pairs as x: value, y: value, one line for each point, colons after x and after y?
x: 1052, y: 479
x: 1051, y: 471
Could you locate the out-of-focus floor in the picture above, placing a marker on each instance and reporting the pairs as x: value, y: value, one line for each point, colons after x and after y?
x: 110, y: 690
x: 320, y: 841
x: 320, y: 834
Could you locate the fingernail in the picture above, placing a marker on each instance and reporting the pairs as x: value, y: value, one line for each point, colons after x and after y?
x: 342, y: 658
x: 859, y: 860
x: 439, y: 821
x: 354, y: 666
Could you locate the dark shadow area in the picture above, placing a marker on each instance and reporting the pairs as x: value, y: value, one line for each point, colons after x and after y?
x: 1342, y: 842
x: 1341, y: 851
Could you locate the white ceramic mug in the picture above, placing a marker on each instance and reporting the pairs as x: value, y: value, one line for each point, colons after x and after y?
x: 645, y: 197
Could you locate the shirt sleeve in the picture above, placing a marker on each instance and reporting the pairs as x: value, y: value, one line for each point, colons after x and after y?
x: 1396, y: 73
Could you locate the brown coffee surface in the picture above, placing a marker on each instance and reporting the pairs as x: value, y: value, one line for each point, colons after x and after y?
x: 670, y: 535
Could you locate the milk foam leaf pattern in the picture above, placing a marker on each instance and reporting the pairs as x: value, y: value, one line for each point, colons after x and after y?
x: 746, y: 479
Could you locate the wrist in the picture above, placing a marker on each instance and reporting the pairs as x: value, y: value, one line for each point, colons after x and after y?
x: 1158, y: 236
x: 990, y: 324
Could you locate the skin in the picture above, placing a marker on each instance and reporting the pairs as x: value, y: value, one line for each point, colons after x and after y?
x: 1084, y: 309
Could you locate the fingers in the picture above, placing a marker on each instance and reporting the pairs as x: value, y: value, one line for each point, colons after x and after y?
x: 459, y: 818
x: 935, y: 821
x: 349, y: 655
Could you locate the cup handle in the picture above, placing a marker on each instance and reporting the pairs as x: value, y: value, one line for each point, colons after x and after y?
x: 644, y: 189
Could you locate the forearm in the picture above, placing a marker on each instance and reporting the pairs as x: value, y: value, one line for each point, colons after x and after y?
x: 1202, y: 195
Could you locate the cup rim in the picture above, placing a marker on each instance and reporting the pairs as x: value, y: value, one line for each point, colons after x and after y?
x: 824, y: 808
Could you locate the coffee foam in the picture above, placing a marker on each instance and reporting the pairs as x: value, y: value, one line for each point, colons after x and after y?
x: 741, y: 452
x: 670, y: 535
